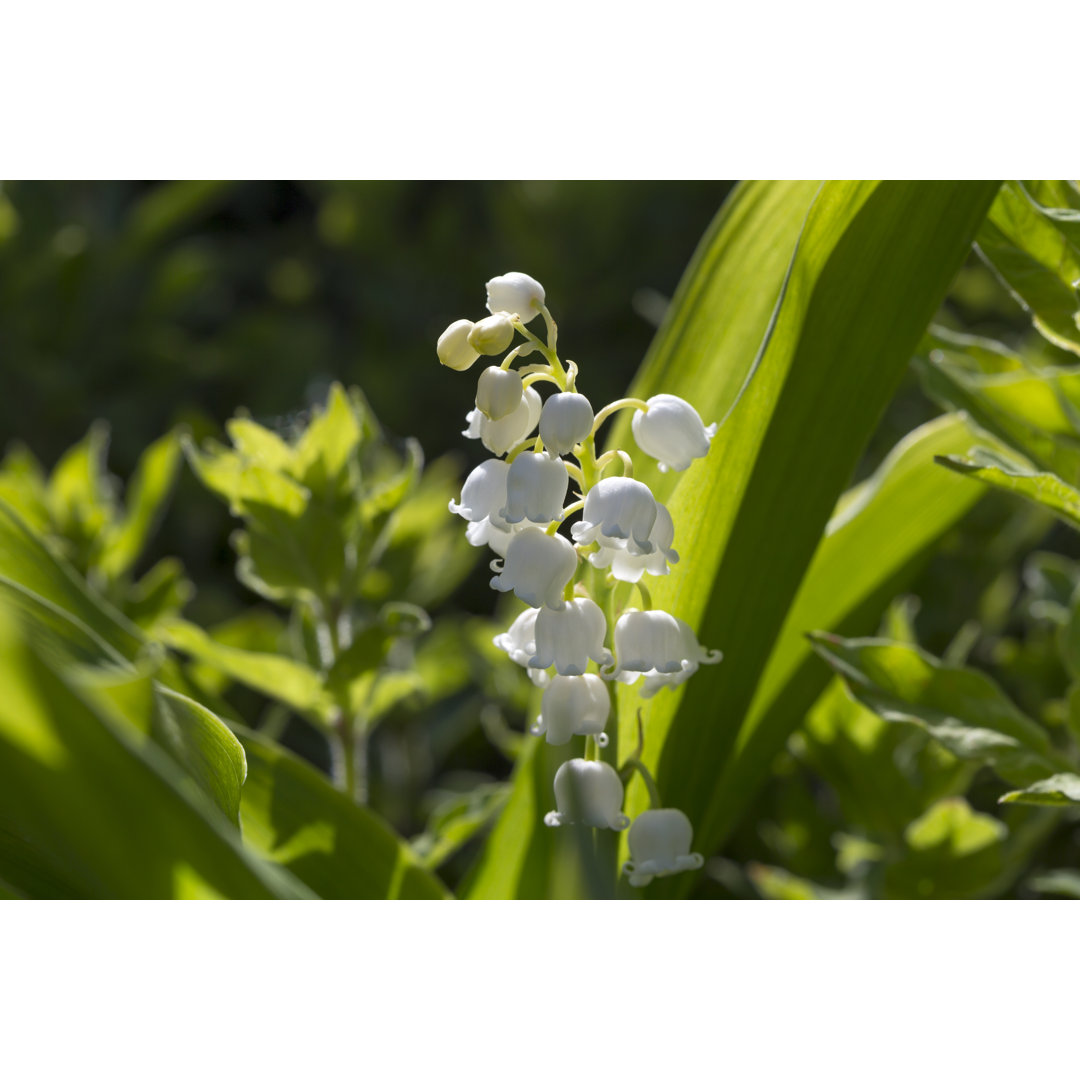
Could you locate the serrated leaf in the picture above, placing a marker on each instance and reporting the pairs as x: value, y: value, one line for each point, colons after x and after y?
x: 292, y: 816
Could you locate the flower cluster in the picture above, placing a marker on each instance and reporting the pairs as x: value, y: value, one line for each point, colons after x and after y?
x: 516, y: 504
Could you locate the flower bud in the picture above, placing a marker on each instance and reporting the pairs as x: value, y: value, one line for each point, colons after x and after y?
x: 454, y: 349
x: 659, y: 646
x: 566, y: 419
x: 619, y: 512
x: 537, y: 567
x: 588, y: 793
x: 535, y: 489
x: 516, y: 294
x: 492, y: 335
x: 498, y: 392
x: 500, y: 436
x: 671, y: 431
x: 660, y: 845
x: 573, y: 705
x: 570, y: 637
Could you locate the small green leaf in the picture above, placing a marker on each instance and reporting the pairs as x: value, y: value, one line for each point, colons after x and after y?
x: 279, y: 677
x: 1063, y: 789
x: 1044, y: 488
x: 331, y: 441
x: 961, y: 708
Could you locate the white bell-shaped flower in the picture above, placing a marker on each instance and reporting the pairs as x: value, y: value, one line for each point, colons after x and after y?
x: 588, y: 793
x: 660, y: 845
x: 492, y: 335
x: 565, y: 420
x: 568, y: 638
x: 454, y: 349
x: 625, y: 565
x: 619, y: 513
x: 516, y: 294
x: 535, y: 489
x: 498, y: 392
x: 518, y: 641
x: 671, y: 431
x: 658, y: 646
x: 501, y: 436
x: 484, y: 492
x: 537, y: 567
x: 573, y: 705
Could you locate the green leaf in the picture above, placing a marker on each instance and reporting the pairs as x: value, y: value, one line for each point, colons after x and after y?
x: 873, y: 263
x: 147, y: 492
x: 247, y: 486
x: 1031, y: 238
x: 1064, y: 883
x: 1063, y: 789
x: 90, y: 807
x: 1043, y: 488
x: 961, y: 708
x: 330, y: 442
x: 278, y: 677
x: 292, y: 816
x: 456, y: 820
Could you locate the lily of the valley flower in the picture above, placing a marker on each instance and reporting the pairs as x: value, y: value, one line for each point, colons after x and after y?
x: 671, y: 431
x: 498, y: 392
x: 535, y: 489
x: 516, y: 294
x: 492, y: 335
x: 573, y: 705
x: 565, y: 420
x: 537, y: 568
x: 659, y: 646
x: 588, y: 793
x: 619, y: 513
x: 625, y: 565
x: 518, y: 641
x: 568, y: 638
x: 454, y: 349
x: 660, y: 845
x: 484, y: 492
x: 501, y: 436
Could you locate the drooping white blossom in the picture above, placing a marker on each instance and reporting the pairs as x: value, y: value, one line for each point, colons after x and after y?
x: 671, y: 431
x: 619, y: 513
x: 573, y: 705
x: 535, y: 489
x: 518, y: 641
x: 659, y: 647
x: 515, y: 293
x: 454, y: 349
x: 501, y: 436
x: 498, y: 392
x: 660, y: 845
x: 484, y: 492
x: 568, y: 638
x: 588, y: 793
x: 492, y: 335
x: 537, y: 567
x: 565, y: 420
x: 625, y: 565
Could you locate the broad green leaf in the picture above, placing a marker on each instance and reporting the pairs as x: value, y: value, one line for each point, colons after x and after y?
x: 91, y: 808
x: 259, y: 445
x: 244, y: 484
x: 1044, y: 488
x: 455, y: 821
x: 328, y: 444
x: 899, y: 514
x: 1031, y: 238
x: 23, y: 485
x: 146, y: 495
x: 159, y: 594
x: 278, y: 677
x: 961, y: 708
x: 1062, y: 789
x: 873, y: 263
x: 292, y: 816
